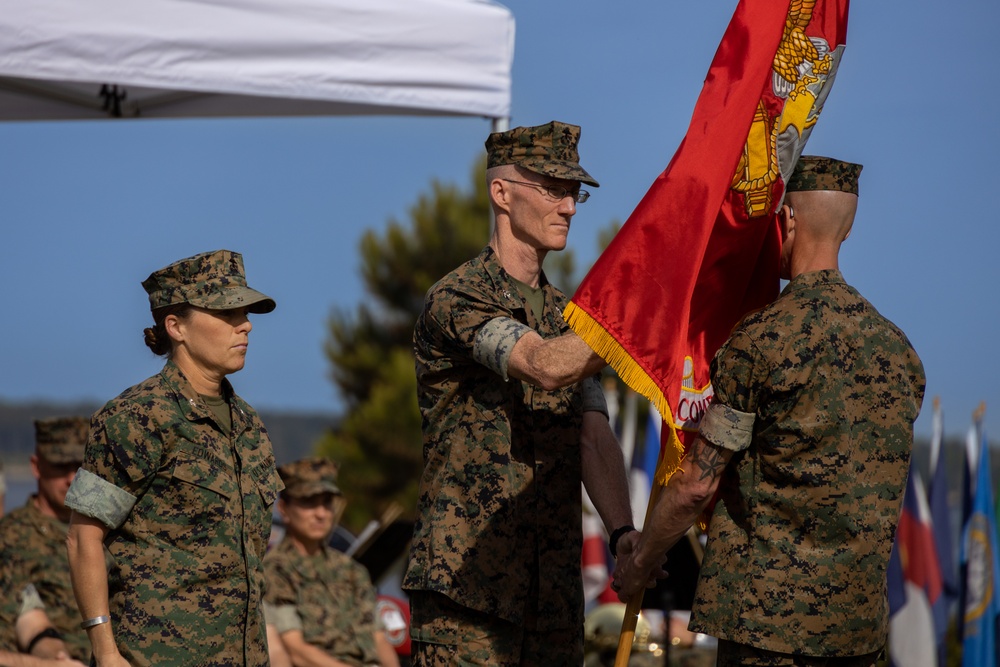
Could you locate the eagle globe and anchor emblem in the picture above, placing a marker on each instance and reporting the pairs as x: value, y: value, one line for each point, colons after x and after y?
x: 803, y: 70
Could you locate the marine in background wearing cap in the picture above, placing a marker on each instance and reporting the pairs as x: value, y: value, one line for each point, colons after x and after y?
x: 513, y: 419
x: 37, y: 612
x: 320, y: 601
x: 179, y: 481
x: 808, y: 440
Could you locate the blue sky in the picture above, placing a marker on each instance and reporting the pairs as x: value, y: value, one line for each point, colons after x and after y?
x: 89, y: 209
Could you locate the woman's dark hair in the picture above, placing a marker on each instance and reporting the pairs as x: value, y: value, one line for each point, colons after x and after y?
x: 156, y: 337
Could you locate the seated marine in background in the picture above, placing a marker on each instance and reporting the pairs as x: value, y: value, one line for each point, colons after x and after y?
x: 38, y: 613
x: 320, y: 601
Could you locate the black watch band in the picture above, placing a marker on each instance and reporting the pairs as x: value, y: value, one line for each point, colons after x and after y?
x: 617, y: 535
x: 47, y: 633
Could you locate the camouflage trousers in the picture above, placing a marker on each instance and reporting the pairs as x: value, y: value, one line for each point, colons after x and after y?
x: 446, y: 634
x: 732, y: 654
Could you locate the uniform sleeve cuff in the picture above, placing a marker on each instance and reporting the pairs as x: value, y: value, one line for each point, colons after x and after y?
x: 593, y: 397
x: 727, y: 428
x: 30, y: 600
x: 283, y: 617
x: 495, y: 341
x: 99, y: 499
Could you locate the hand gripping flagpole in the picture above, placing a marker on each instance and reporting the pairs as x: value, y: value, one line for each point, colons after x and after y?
x: 634, y: 605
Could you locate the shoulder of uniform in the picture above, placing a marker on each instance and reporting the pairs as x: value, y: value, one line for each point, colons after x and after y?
x: 15, y: 517
x: 448, y: 295
x: 754, y: 324
x: 139, y: 396
x: 278, y: 557
x: 468, y: 276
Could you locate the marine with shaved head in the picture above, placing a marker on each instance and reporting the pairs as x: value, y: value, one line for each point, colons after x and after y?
x: 807, y: 442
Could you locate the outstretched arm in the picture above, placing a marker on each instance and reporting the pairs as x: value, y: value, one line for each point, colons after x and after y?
x: 21, y: 660
x: 551, y: 363
x: 29, y: 628
x: 304, y: 654
x: 276, y: 652
x: 386, y: 653
x: 681, y: 501
x: 604, y: 471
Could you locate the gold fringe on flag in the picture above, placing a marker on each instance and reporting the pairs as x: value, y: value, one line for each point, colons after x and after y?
x: 605, y: 345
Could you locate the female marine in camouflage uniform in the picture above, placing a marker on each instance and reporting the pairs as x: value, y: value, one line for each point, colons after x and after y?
x: 178, y: 482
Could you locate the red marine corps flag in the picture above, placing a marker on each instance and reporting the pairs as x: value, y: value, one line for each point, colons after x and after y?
x: 702, y: 247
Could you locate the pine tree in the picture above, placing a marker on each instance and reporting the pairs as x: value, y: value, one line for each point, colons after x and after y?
x: 377, y: 443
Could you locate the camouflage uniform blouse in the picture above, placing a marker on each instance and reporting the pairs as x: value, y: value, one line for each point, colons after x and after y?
x: 328, y: 597
x: 799, y: 541
x: 189, y: 509
x: 498, y: 526
x: 33, y: 547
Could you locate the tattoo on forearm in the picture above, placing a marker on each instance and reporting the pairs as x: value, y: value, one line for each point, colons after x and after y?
x: 708, y: 459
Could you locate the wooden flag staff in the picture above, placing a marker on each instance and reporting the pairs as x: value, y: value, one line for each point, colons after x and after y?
x: 634, y: 605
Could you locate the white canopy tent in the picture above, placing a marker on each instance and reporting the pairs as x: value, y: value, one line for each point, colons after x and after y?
x: 67, y: 59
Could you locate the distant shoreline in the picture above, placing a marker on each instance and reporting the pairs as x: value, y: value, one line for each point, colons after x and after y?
x: 17, y: 471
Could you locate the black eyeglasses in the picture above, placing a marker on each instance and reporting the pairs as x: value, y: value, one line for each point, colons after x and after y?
x: 556, y: 191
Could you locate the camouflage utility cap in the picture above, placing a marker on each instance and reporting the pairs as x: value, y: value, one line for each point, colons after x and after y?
x: 212, y: 280
x: 548, y: 149
x: 824, y: 173
x: 309, y: 477
x: 62, y: 439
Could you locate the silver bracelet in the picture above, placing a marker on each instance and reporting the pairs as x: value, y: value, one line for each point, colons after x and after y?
x: 97, y: 620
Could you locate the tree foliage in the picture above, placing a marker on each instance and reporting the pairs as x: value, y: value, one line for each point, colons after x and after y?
x: 378, y: 442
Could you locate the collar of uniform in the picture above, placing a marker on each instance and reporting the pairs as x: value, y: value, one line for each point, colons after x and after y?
x: 814, y: 279
x: 241, y: 420
x: 503, y: 281
x: 189, y: 400
x: 306, y: 565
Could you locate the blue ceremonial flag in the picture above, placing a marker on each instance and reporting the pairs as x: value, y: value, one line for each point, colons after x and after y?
x: 982, y: 571
x: 944, y: 537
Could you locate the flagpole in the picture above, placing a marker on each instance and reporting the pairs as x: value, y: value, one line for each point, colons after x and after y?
x: 634, y: 605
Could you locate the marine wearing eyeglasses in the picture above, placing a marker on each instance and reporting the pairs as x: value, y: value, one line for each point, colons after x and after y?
x: 557, y: 192
x: 513, y: 419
